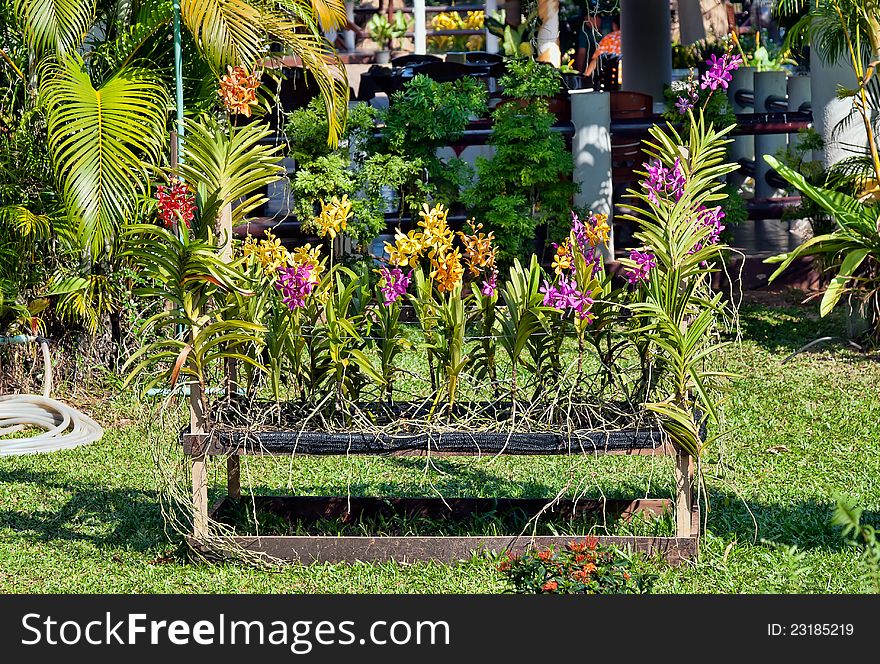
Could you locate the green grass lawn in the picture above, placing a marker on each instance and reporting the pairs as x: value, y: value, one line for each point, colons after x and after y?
x: 89, y: 520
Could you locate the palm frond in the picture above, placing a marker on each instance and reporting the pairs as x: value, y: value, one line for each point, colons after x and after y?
x: 98, y: 138
x: 229, y: 168
x: 55, y: 25
x: 136, y: 38
x: 228, y: 32
x: 330, y: 14
x: 305, y: 40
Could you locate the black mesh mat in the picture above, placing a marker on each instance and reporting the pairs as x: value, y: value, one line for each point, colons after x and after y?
x: 311, y: 442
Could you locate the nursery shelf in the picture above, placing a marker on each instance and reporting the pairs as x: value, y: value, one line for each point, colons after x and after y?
x: 231, y: 443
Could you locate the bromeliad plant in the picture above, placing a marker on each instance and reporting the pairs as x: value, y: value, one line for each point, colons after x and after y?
x: 191, y: 277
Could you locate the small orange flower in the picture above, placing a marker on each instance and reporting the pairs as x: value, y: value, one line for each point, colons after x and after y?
x: 238, y: 89
x: 550, y: 587
x: 479, y: 253
x: 598, y: 230
x: 448, y: 270
x: 581, y: 575
x: 562, y: 259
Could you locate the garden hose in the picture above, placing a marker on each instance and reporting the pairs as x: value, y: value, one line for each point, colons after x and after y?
x: 64, y: 427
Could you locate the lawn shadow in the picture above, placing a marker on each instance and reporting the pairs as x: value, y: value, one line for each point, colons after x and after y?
x: 785, y: 329
x: 805, y: 524
x: 132, y: 519
x: 108, y: 518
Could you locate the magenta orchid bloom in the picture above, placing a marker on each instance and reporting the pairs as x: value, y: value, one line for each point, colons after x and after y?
x: 644, y: 263
x: 720, y: 72
x: 296, y: 283
x: 394, y: 284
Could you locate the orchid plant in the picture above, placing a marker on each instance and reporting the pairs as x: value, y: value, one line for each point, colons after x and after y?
x: 334, y: 338
x: 676, y: 314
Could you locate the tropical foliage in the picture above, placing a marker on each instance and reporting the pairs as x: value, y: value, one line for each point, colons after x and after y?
x: 525, y: 185
x: 99, y: 129
x: 677, y: 317
x: 849, y: 30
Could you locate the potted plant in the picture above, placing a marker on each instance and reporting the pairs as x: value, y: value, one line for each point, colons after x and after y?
x: 572, y: 78
x: 400, y: 26
x: 381, y: 32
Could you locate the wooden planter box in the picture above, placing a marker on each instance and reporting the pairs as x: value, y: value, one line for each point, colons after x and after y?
x: 326, y: 548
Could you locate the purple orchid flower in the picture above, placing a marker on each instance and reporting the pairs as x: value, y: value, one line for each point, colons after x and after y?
x: 394, y: 284
x: 644, y: 263
x: 296, y: 283
x: 720, y: 72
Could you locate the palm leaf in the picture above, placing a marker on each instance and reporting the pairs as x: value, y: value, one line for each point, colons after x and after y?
x: 55, y: 25
x: 305, y: 40
x: 98, y: 138
x: 330, y: 14
x: 227, y: 32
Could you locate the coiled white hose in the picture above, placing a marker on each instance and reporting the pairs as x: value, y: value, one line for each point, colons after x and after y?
x: 65, y: 427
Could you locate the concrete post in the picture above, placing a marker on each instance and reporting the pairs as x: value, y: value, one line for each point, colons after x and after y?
x: 690, y: 21
x: 743, y: 147
x: 548, y: 33
x: 798, y: 93
x: 492, y: 41
x: 420, y: 38
x: 646, y: 46
x: 767, y: 84
x: 591, y: 149
x: 349, y: 36
x: 829, y: 111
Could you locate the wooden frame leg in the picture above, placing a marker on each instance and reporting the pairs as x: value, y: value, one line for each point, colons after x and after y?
x: 200, y: 496
x: 199, y: 464
x: 684, y: 493
x: 233, y: 476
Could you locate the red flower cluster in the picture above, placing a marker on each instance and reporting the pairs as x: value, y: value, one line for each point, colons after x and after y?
x: 578, y: 567
x: 176, y: 203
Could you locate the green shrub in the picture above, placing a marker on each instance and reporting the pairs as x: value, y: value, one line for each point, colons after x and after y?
x: 526, y: 183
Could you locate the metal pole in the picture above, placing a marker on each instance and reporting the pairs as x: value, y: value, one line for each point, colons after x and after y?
x: 178, y: 78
